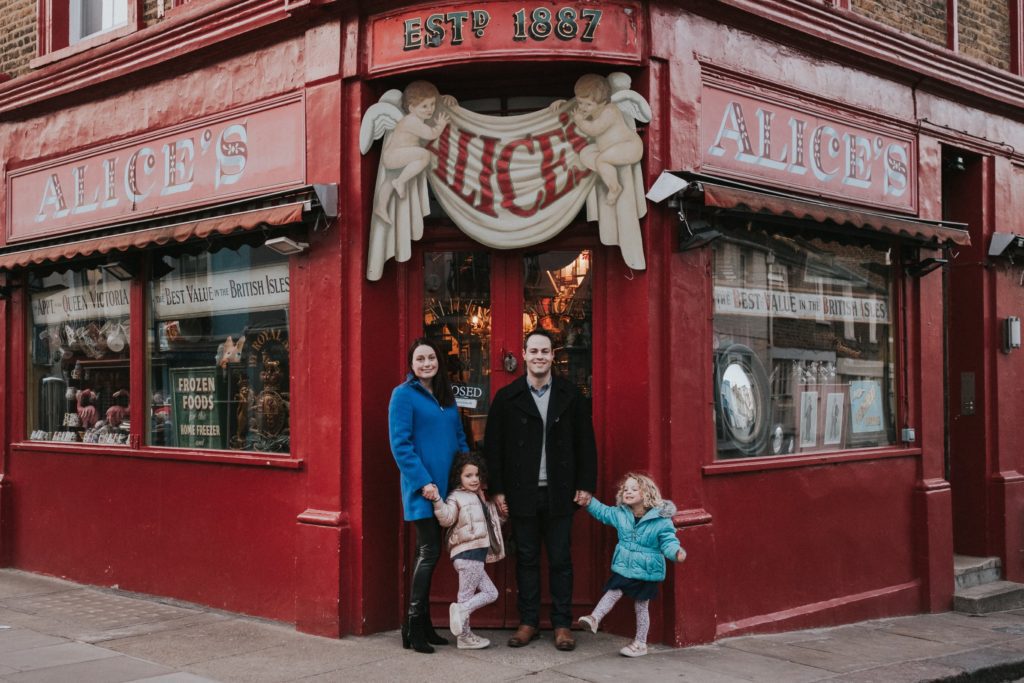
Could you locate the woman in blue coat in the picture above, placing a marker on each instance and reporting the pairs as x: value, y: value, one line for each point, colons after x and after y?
x: 426, y: 433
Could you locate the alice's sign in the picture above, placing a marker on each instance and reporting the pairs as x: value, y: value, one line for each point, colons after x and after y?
x: 819, y: 152
x: 236, y: 154
x: 508, y: 181
x: 800, y: 305
x: 497, y: 29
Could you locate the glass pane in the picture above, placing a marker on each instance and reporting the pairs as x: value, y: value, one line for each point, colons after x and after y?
x: 803, y: 349
x: 219, y: 351
x: 558, y: 297
x: 457, y: 314
x: 78, y: 365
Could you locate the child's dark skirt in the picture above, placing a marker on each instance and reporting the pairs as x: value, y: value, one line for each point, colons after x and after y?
x: 634, y: 588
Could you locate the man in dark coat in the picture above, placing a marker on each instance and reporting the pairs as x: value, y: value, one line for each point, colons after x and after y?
x: 542, y: 464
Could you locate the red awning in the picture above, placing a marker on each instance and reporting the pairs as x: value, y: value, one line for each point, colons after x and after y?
x: 165, y: 234
x: 807, y: 209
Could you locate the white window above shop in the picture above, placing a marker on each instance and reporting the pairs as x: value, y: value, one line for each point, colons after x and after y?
x: 67, y: 27
x: 91, y: 17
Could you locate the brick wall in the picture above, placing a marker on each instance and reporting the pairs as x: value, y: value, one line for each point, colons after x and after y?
x: 985, y: 31
x: 922, y: 18
x: 18, y: 36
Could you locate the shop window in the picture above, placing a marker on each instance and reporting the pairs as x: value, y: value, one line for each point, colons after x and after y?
x: 78, y: 374
x: 218, y: 361
x: 803, y: 343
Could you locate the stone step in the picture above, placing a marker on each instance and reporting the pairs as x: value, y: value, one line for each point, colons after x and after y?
x: 996, y: 596
x: 973, y: 571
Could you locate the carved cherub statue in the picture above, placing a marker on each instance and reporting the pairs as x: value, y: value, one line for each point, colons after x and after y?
x: 612, y: 128
x: 404, y: 136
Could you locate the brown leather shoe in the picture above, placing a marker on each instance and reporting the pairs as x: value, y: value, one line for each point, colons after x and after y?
x: 564, y: 640
x: 523, y: 635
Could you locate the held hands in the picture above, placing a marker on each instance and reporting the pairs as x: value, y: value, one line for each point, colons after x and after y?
x: 582, y: 498
x: 499, y: 502
x: 430, y: 492
x: 680, y: 555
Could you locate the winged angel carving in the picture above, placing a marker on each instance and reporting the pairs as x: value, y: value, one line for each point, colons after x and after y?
x: 600, y: 122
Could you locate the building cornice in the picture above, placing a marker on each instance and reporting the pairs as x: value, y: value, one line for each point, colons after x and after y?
x: 881, y: 48
x: 182, y: 33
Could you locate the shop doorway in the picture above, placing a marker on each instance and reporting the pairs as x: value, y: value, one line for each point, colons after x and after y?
x: 478, y: 303
x: 967, y: 446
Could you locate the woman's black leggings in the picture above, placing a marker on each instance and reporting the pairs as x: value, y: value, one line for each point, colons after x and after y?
x: 428, y: 549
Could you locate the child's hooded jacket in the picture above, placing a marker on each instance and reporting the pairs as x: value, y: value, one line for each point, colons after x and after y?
x: 643, y: 544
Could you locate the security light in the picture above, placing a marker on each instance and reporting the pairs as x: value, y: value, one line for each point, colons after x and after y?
x: 117, y: 269
x: 285, y: 246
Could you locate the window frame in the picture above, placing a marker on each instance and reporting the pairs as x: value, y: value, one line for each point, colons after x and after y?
x: 716, y: 464
x: 139, y: 370
x: 54, y: 31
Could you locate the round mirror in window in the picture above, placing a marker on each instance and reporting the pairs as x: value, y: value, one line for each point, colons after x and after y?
x: 742, y: 401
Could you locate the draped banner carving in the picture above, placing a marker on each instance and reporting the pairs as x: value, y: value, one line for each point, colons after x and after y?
x: 507, y: 182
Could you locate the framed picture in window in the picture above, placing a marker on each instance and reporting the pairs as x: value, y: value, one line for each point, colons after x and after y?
x: 833, y: 432
x: 808, y: 419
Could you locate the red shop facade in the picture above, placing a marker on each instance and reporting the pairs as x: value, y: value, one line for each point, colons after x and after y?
x: 219, y: 240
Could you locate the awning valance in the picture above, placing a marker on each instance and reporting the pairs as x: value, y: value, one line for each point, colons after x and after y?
x: 730, y: 196
x: 165, y: 234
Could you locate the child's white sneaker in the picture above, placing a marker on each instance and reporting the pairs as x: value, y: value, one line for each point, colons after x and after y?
x: 588, y: 622
x: 634, y: 649
x: 472, y: 641
x: 456, y: 617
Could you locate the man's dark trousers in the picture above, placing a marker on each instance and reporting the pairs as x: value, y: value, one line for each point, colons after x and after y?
x: 554, y: 531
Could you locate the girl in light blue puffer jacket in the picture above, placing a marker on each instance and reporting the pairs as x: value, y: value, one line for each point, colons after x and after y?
x: 646, y: 537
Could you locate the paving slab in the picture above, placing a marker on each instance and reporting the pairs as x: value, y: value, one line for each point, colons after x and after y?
x: 927, y: 627
x: 95, y: 610
x: 903, y: 672
x: 410, y: 666
x: 178, y: 677
x: 291, y: 661
x: 653, y: 667
x: 52, y: 655
x: 116, y: 669
x: 17, y: 583
x: 183, y: 647
x: 743, y: 665
x: 871, y: 646
x: 829, y: 661
x: 15, y: 639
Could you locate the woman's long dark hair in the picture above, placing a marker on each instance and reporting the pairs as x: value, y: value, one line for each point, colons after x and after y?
x: 440, y: 387
x: 459, y: 464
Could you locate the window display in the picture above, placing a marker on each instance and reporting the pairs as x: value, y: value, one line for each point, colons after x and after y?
x: 79, y: 354
x: 803, y: 343
x: 219, y: 351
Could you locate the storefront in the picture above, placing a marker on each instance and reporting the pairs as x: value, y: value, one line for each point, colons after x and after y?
x: 214, y: 263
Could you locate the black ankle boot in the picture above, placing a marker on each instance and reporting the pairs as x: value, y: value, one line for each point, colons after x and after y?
x: 433, y: 637
x: 405, y: 634
x: 418, y: 635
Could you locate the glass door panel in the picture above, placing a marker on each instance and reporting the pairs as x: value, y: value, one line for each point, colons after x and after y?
x: 557, y: 297
x: 457, y: 314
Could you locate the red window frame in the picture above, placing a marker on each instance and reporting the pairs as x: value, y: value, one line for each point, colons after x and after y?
x: 54, y: 28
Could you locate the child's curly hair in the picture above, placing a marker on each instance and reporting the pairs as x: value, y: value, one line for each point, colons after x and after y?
x: 648, y: 490
x: 459, y: 464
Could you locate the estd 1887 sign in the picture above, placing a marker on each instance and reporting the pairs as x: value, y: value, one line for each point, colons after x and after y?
x: 429, y: 35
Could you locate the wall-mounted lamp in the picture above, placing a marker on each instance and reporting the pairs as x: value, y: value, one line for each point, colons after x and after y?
x: 118, y: 269
x: 925, y: 266
x: 957, y: 162
x: 1011, y: 334
x: 286, y: 246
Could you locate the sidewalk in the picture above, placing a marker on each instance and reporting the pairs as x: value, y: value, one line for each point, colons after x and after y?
x: 55, y: 631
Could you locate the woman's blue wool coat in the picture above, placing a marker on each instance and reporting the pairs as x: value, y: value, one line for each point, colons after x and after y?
x: 425, y: 436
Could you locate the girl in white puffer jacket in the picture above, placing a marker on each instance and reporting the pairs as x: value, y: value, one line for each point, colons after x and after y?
x: 474, y: 537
